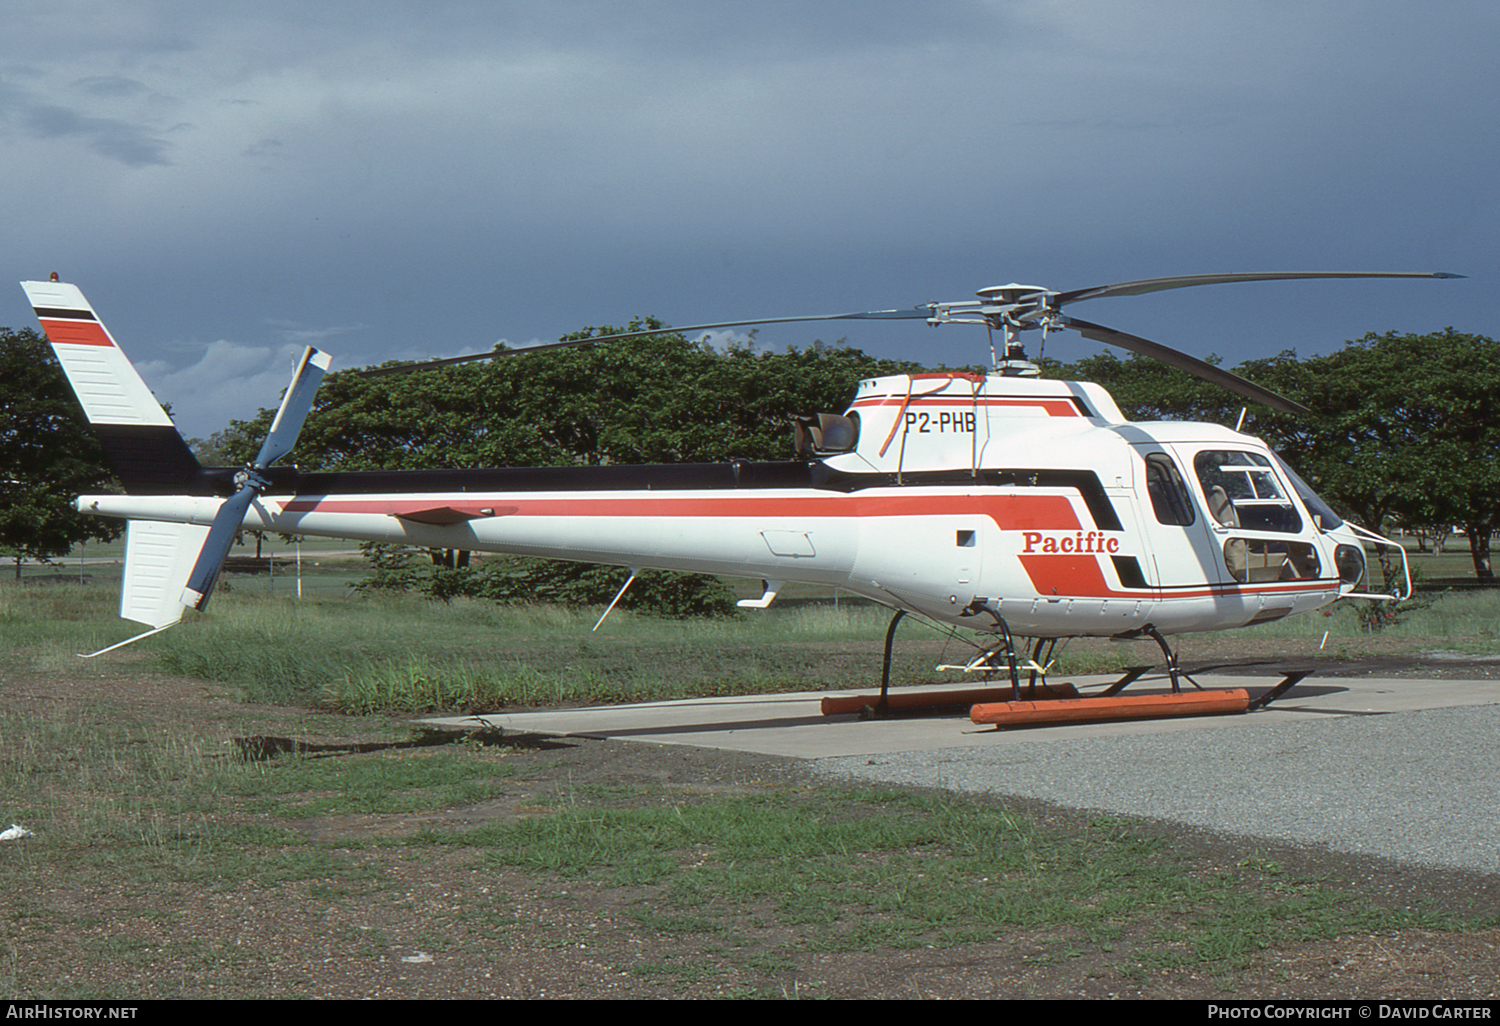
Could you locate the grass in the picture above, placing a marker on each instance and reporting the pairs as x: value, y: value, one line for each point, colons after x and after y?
x: 739, y: 887
x: 149, y: 832
x: 423, y: 781
x: 386, y: 653
x: 1468, y: 619
x: 402, y: 655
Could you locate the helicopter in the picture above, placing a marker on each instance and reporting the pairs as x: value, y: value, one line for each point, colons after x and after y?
x: 1004, y: 503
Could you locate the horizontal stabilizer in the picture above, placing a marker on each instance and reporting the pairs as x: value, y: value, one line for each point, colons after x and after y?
x: 442, y: 516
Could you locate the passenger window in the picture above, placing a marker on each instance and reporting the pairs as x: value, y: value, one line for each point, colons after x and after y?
x: 1243, y: 492
x: 1169, y: 495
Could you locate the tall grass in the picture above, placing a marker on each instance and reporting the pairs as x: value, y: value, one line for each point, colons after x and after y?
x: 45, y: 627
x: 545, y: 656
x: 1469, y: 619
x: 405, y: 655
x: 68, y: 772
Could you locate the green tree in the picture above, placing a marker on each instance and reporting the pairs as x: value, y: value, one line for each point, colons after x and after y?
x: 1402, y: 426
x: 1147, y: 389
x: 48, y: 455
x: 234, y: 446
x: 653, y: 400
x: 1407, y: 426
x: 662, y: 399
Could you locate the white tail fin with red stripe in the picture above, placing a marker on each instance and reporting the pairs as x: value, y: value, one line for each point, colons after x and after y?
x: 147, y: 453
x: 106, y: 384
x: 139, y: 437
x: 167, y: 563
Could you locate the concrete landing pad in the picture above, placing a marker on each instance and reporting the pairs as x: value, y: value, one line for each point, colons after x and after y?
x: 793, y: 725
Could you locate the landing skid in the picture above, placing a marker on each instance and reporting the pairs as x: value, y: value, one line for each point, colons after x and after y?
x: 1111, y: 705
x: 1052, y: 703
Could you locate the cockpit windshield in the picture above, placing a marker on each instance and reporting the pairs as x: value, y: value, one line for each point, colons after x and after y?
x: 1323, y: 514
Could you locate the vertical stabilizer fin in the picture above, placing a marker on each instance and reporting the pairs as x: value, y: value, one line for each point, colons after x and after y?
x: 158, y: 559
x: 106, y: 384
x: 145, y: 450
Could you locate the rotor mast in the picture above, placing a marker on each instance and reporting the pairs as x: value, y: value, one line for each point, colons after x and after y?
x: 1010, y: 310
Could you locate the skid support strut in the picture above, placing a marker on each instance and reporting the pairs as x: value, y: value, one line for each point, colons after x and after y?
x: 883, y: 707
x: 1038, y: 667
x: 1010, y: 654
x: 1007, y: 646
x: 1174, y: 671
x: 1289, y: 681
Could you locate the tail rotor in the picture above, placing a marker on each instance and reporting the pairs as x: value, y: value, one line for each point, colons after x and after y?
x: 250, y: 483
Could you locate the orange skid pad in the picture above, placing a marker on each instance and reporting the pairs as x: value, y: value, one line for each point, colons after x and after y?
x: 836, y: 704
x: 1118, y: 707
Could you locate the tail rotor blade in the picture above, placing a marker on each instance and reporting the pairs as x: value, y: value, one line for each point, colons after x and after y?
x: 280, y: 441
x: 200, y: 583
x: 294, y: 407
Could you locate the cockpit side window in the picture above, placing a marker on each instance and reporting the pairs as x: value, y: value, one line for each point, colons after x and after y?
x: 1244, y: 492
x: 1169, y: 495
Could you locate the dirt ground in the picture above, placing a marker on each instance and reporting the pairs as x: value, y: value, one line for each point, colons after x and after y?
x: 435, y: 922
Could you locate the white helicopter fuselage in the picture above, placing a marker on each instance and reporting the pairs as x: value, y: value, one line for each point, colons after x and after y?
x: 965, y: 498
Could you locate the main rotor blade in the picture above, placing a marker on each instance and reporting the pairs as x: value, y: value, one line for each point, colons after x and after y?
x: 915, y: 313
x: 1145, y: 285
x: 294, y: 407
x: 200, y: 583
x: 1182, y: 361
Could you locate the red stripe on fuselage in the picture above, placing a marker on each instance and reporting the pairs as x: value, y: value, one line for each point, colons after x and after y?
x: 1069, y: 576
x: 1009, y: 512
x: 76, y: 333
x: 1054, y: 407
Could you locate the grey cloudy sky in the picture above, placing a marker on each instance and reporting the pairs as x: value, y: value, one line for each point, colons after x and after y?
x: 229, y: 181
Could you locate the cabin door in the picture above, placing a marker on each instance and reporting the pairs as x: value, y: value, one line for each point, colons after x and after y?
x: 1184, y: 555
